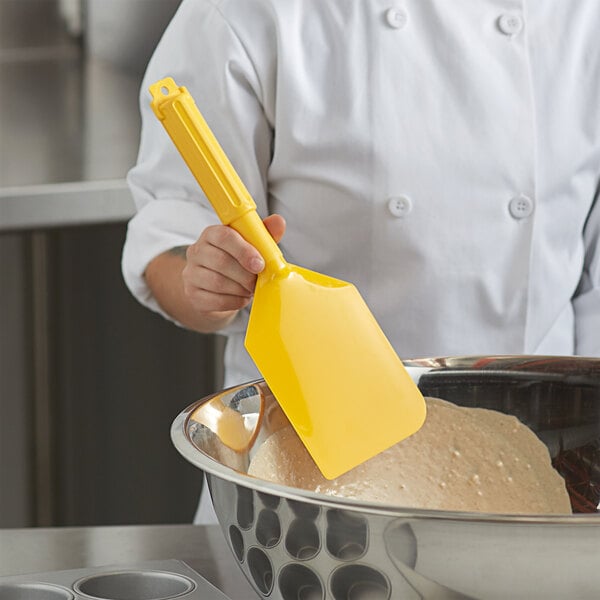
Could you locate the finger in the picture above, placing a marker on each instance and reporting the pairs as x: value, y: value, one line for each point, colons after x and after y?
x: 232, y: 280
x: 216, y: 261
x: 210, y: 302
x: 229, y: 240
x: 275, y: 224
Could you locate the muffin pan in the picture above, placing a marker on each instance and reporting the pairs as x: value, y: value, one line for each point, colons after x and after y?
x: 153, y: 580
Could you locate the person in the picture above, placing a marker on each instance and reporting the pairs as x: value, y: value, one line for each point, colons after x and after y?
x: 444, y: 157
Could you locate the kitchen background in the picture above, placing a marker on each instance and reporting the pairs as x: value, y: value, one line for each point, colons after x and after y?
x: 89, y: 380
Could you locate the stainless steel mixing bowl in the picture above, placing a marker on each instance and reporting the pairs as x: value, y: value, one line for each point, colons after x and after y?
x: 297, y: 545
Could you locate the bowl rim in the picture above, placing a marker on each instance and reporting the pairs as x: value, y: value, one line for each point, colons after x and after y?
x: 197, y: 457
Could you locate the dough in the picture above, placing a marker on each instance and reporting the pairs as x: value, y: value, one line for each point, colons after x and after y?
x: 465, y: 459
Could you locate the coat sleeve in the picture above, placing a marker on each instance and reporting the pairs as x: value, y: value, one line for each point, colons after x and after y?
x: 586, y: 302
x: 203, y: 53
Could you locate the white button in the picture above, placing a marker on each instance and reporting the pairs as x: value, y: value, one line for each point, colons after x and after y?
x: 520, y: 207
x: 400, y: 206
x: 510, y: 24
x: 396, y: 18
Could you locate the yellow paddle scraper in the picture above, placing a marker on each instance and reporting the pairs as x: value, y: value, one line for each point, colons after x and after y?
x: 313, y: 338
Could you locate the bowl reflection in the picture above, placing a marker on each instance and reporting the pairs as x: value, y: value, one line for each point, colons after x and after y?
x: 297, y: 545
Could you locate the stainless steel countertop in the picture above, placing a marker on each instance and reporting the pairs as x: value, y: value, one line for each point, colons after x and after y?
x: 203, y: 548
x: 69, y: 131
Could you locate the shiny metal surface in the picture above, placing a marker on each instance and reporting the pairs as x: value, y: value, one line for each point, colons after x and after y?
x: 289, y: 541
x: 147, y: 580
x: 69, y: 124
x: 65, y: 204
x: 203, y: 548
x: 69, y: 130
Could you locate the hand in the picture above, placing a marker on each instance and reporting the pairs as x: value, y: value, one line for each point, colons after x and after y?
x: 221, y: 269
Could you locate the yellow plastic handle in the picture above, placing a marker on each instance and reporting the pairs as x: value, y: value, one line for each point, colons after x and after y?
x: 176, y: 109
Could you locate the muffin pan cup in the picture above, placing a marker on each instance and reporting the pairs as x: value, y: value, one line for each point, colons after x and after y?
x: 152, y: 580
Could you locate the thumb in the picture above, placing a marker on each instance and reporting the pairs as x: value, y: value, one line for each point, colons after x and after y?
x: 275, y: 225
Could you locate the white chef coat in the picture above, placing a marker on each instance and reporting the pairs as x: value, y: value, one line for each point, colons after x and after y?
x: 442, y: 156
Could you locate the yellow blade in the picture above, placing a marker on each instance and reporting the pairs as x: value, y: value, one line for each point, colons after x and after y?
x: 312, y: 337
x: 331, y: 368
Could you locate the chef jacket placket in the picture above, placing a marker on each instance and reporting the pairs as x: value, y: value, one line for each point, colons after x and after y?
x: 448, y: 138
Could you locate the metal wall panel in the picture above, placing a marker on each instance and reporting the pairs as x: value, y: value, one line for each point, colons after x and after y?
x: 120, y: 375
x: 16, y: 392
x: 89, y: 384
